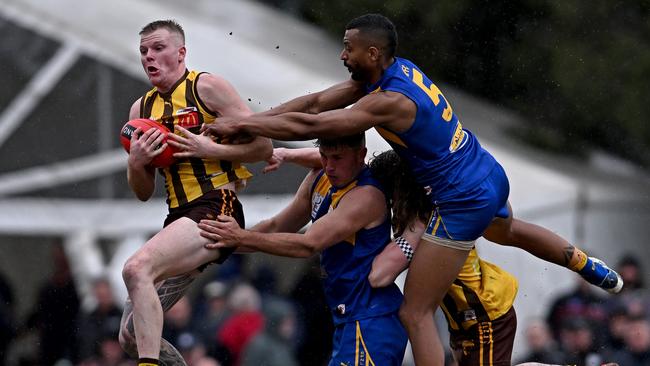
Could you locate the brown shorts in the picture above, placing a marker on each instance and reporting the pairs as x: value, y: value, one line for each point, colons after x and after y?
x: 209, y: 206
x: 486, y: 343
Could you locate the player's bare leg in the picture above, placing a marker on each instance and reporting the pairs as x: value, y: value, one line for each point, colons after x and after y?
x: 169, y: 292
x: 551, y: 247
x: 175, y: 250
x: 431, y: 273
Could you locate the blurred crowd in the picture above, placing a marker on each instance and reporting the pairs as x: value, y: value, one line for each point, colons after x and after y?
x: 227, y: 319
x: 586, y: 327
x: 234, y: 320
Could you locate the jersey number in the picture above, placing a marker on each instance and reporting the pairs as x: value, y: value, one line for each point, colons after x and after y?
x: 434, y: 93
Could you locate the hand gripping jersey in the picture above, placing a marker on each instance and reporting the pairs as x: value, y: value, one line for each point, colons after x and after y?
x: 188, y: 179
x: 446, y: 159
x: 346, y: 265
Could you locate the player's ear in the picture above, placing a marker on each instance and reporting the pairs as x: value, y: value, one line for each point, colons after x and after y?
x: 181, y: 53
x: 374, y: 53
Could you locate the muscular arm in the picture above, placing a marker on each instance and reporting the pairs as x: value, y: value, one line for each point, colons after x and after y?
x: 392, y: 110
x: 361, y: 207
x: 340, y: 95
x: 392, y: 261
x: 221, y: 97
x: 140, y: 176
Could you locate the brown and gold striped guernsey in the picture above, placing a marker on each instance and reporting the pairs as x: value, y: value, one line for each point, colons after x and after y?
x: 481, y: 292
x: 188, y: 179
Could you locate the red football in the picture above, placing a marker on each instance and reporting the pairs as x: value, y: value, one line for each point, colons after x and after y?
x: 166, y: 158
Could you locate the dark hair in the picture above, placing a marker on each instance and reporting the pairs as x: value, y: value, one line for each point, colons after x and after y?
x: 357, y: 140
x: 378, y: 28
x: 408, y: 199
x: 169, y: 24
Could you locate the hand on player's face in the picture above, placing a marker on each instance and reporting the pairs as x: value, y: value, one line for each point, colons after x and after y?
x: 145, y: 146
x: 190, y: 144
x: 224, y: 232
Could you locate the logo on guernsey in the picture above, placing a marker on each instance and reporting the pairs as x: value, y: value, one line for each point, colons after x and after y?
x: 459, y: 139
x: 316, y: 201
x: 188, y: 117
x: 405, y: 70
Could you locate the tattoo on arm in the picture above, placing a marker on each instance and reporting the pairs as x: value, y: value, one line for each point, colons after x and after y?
x: 568, y: 254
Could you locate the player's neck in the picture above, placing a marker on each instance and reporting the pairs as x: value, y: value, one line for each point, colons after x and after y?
x: 172, y: 81
x: 378, y: 73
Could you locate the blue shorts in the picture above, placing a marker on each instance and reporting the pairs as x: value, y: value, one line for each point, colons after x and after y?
x: 466, y: 217
x: 379, y: 341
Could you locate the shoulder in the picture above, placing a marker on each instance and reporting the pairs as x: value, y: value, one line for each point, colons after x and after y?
x: 209, y: 83
x: 392, y: 102
x: 134, y: 112
x: 365, y: 196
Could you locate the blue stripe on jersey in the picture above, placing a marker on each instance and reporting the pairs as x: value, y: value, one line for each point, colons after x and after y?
x: 446, y: 159
x: 346, y: 265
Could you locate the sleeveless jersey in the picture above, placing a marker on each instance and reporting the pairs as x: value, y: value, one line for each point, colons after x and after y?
x: 481, y: 292
x: 445, y: 159
x: 346, y: 265
x: 188, y: 179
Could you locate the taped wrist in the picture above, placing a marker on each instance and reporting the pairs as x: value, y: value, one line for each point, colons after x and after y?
x: 405, y: 247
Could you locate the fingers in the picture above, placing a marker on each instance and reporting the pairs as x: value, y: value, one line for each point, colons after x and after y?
x: 159, y: 150
x: 183, y: 130
x: 226, y: 219
x: 270, y: 167
x: 135, y: 136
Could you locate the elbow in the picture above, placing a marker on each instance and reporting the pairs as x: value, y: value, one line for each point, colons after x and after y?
x: 310, y: 247
x: 306, y: 251
x: 377, y: 279
x: 143, y: 196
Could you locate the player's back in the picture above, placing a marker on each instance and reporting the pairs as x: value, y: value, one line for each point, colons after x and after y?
x: 445, y: 158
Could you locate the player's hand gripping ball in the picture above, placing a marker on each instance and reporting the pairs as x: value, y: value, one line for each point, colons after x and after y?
x: 164, y: 159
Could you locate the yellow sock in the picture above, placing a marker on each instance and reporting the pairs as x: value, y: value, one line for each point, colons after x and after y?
x: 578, y: 260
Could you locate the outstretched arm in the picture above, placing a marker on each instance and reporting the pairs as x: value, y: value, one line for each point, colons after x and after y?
x: 360, y: 207
x: 340, y: 95
x: 392, y: 260
x: 308, y: 157
x: 388, y: 109
x: 221, y: 98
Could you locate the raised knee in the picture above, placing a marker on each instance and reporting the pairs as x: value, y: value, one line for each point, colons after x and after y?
x: 136, y: 269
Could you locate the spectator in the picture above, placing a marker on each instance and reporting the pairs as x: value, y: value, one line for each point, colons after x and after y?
x: 582, y: 302
x: 272, y: 346
x: 314, y: 348
x: 178, y: 322
x: 637, y: 343
x: 578, y: 343
x: 55, y: 313
x: 244, y: 323
x: 617, y: 328
x: 213, y: 311
x: 631, y: 272
x: 541, y: 344
x: 103, y: 319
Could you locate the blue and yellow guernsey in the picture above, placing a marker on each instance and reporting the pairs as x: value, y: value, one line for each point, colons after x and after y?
x: 346, y: 265
x: 446, y: 159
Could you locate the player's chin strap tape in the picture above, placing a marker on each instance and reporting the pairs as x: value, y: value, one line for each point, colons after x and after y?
x: 405, y: 247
